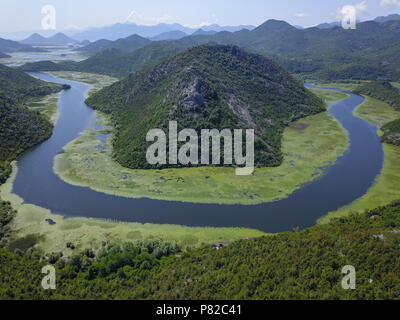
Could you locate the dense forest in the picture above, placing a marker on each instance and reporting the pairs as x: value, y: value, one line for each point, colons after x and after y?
x: 296, y: 265
x: 206, y: 87
x: 381, y: 90
x: 369, y: 52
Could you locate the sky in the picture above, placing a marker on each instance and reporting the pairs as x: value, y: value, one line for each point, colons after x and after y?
x: 24, y: 15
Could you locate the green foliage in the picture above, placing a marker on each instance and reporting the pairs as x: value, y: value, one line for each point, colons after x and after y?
x: 6, y: 215
x: 297, y: 265
x: 391, y: 132
x: 206, y: 87
x: 381, y: 90
x: 17, y: 87
x: 20, y: 128
x: 127, y: 44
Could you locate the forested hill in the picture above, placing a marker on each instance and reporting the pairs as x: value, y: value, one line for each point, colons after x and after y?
x: 381, y: 90
x: 3, y: 55
x: 369, y: 52
x: 127, y: 44
x: 17, y: 86
x: 210, y: 86
x: 20, y: 128
x: 297, y: 265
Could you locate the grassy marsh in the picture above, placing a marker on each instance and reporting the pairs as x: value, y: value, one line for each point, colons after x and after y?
x: 386, y: 188
x: 90, y: 233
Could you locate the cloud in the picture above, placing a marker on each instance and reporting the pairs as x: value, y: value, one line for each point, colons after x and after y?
x: 390, y: 4
x: 302, y: 15
x: 142, y: 19
x: 361, y: 9
x: 198, y: 26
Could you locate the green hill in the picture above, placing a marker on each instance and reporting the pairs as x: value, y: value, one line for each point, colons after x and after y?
x: 391, y: 132
x: 297, y: 265
x: 381, y: 90
x: 20, y: 128
x: 206, y: 87
x: 3, y: 55
x: 14, y: 46
x: 127, y: 44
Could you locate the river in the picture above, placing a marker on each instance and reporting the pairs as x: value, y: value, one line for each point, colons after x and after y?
x: 343, y: 182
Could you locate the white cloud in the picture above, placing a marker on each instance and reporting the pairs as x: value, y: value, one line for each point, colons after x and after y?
x: 198, y: 26
x: 390, y: 4
x: 360, y: 8
x: 301, y: 15
x: 144, y: 20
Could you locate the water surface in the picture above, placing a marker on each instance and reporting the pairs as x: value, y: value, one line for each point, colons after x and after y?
x: 345, y: 181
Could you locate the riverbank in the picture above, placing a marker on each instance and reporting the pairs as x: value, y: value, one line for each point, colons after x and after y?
x: 85, y: 233
x: 386, y: 187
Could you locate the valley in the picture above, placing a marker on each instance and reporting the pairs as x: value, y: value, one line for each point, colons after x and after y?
x: 78, y: 192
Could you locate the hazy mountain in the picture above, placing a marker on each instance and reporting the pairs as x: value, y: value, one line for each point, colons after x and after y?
x: 202, y: 32
x: 390, y: 17
x: 369, y: 52
x: 218, y: 28
x: 128, y: 44
x: 328, y: 25
x: 58, y: 39
x: 210, y: 86
x: 122, y: 30
x: 13, y: 46
x: 3, y: 55
x: 171, y: 35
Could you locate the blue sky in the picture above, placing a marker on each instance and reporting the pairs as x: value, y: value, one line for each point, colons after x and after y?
x: 18, y: 15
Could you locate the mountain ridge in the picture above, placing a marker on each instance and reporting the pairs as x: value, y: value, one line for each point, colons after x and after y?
x: 208, y: 86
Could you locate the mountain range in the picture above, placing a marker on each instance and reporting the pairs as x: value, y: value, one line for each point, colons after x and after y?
x: 59, y: 39
x: 369, y: 52
x: 14, y: 46
x: 127, y: 44
x: 122, y: 30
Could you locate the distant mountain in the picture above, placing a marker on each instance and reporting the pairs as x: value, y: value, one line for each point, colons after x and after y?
x: 328, y: 25
x: 122, y: 30
x: 218, y: 28
x: 3, y: 55
x: 13, y: 46
x: 127, y: 44
x: 371, y: 51
x: 202, y: 32
x: 390, y: 17
x: 171, y: 35
x: 85, y: 43
x: 59, y: 39
x: 206, y: 87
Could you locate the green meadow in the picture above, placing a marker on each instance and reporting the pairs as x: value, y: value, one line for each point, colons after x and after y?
x: 386, y: 187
